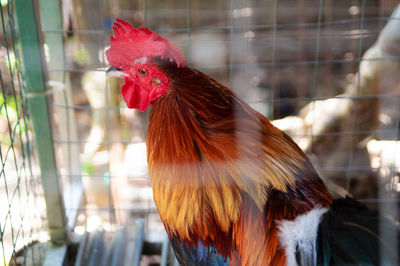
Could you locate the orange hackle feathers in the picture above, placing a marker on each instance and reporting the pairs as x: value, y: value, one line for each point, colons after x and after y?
x: 226, y: 182
x: 215, y: 163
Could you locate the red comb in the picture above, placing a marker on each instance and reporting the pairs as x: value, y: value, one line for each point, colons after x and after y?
x: 130, y: 44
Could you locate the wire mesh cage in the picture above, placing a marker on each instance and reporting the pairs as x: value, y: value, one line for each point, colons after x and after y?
x: 297, y: 63
x: 287, y: 60
x: 325, y: 72
x: 23, y: 224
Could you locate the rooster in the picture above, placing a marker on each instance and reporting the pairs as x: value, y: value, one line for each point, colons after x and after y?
x: 229, y: 186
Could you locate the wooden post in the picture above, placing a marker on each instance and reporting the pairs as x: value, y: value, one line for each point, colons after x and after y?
x: 35, y: 91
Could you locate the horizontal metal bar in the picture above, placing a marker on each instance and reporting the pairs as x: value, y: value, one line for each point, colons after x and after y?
x: 76, y: 70
x: 340, y: 133
x: 154, y: 210
x: 59, y: 141
x: 264, y: 64
x: 79, y: 176
x: 379, y: 200
x: 348, y: 133
x: 228, y: 28
x: 280, y: 100
x: 88, y: 107
x: 310, y: 99
x: 302, y: 63
x: 335, y: 169
x: 353, y: 168
x: 76, y: 31
x: 328, y: 34
x: 135, y: 210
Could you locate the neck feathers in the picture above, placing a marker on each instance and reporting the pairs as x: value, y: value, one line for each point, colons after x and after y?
x: 212, y: 159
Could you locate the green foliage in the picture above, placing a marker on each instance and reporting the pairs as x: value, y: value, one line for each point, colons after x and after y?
x: 9, y: 115
x: 10, y: 107
x: 88, y: 168
x: 12, y: 62
x: 4, y: 3
x: 81, y: 56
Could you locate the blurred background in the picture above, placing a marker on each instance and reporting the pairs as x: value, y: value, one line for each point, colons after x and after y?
x: 327, y: 72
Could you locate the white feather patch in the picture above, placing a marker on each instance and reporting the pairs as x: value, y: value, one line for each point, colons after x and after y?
x: 141, y: 60
x: 301, y: 235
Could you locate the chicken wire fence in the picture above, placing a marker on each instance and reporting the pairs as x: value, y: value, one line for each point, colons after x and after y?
x: 23, y: 222
x: 317, y: 69
x: 305, y: 65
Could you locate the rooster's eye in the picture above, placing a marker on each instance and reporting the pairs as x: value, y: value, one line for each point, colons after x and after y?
x: 142, y: 71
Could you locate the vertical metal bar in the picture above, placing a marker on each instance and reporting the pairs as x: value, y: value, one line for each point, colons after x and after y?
x: 146, y: 117
x: 300, y: 32
x: 273, y: 89
x: 113, y: 204
x: 316, y: 66
x: 165, y: 248
x: 139, y: 235
x: 189, y: 28
x: 28, y: 25
x: 358, y: 89
x: 387, y: 206
x: 145, y: 15
x: 231, y: 46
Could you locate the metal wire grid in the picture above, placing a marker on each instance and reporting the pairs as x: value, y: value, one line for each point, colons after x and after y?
x: 238, y: 66
x: 22, y: 209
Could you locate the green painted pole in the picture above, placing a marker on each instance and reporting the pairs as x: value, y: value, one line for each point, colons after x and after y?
x: 35, y: 91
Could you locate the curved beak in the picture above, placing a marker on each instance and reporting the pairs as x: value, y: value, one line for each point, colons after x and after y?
x: 113, y: 69
x: 115, y: 72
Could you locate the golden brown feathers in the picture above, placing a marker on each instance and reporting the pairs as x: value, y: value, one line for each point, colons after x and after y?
x: 214, y: 164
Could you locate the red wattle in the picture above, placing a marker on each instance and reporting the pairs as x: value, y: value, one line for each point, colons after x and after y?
x: 134, y: 96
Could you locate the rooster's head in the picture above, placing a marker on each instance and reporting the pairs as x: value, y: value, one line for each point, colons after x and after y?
x: 130, y: 56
